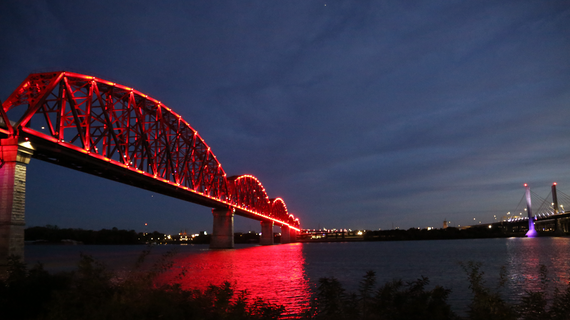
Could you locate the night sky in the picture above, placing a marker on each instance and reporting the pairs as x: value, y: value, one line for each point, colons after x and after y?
x: 359, y: 114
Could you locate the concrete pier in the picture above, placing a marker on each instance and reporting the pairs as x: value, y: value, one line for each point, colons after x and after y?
x: 292, y: 235
x: 285, y: 234
x: 223, y: 231
x: 14, y: 158
x: 266, y: 233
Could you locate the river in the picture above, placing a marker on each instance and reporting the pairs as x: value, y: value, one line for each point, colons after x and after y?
x: 288, y: 274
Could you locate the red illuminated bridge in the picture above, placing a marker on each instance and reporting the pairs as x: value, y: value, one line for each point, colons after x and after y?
x: 115, y: 132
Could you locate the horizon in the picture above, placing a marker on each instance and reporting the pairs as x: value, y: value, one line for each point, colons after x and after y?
x: 357, y: 115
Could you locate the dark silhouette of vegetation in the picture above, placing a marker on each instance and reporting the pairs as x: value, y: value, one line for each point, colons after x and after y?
x: 486, y: 304
x: 394, y: 300
x: 397, y: 300
x: 24, y: 293
x: 498, y: 230
x: 248, y: 237
x: 93, y: 292
x: 53, y: 234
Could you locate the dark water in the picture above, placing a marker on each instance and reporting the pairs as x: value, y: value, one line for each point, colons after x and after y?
x: 287, y: 274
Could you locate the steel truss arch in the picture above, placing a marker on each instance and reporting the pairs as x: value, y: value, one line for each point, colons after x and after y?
x: 279, y: 211
x: 248, y: 193
x: 117, y: 132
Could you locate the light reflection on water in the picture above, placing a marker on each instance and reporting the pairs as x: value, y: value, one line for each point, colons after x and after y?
x: 275, y: 273
x: 525, y: 257
x: 287, y: 274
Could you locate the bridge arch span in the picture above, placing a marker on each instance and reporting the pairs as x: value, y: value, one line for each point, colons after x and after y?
x: 116, y: 132
x: 248, y: 193
x: 294, y: 221
x: 279, y: 209
x: 116, y: 124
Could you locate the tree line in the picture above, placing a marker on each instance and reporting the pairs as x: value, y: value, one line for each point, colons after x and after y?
x: 54, y: 234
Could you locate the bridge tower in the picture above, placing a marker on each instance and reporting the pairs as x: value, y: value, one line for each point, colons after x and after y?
x: 531, y: 232
x: 14, y: 157
x: 554, y: 199
x: 558, y: 229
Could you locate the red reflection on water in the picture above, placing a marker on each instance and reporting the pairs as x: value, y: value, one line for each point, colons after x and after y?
x: 527, y: 257
x: 274, y: 273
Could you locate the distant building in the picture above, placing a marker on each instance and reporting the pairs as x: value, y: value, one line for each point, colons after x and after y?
x: 183, y: 236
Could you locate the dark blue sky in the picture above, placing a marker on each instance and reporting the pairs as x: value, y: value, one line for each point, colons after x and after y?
x: 359, y: 114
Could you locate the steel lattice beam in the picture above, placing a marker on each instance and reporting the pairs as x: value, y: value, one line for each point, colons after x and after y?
x: 119, y: 133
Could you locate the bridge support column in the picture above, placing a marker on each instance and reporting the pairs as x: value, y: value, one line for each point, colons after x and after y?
x: 531, y: 231
x: 558, y: 229
x: 293, y: 235
x: 266, y: 233
x: 14, y: 159
x: 285, y: 234
x: 223, y: 231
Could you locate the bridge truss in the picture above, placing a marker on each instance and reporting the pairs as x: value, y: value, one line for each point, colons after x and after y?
x: 119, y: 133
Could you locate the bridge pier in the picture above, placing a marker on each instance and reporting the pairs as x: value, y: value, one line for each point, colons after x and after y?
x: 285, y: 234
x: 14, y: 159
x: 558, y: 229
x: 266, y: 233
x: 223, y: 231
x: 564, y: 225
x: 292, y: 235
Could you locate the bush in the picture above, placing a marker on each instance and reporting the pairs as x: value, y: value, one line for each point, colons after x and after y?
x: 488, y: 304
x: 93, y: 292
x: 411, y: 300
x: 394, y: 300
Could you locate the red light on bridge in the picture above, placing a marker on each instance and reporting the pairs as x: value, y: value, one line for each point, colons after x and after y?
x: 526, y: 185
x: 159, y: 116
x: 554, y: 184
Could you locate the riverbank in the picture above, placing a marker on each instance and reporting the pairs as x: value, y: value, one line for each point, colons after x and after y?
x: 94, y: 292
x: 496, y: 230
x: 287, y: 274
x: 114, y: 236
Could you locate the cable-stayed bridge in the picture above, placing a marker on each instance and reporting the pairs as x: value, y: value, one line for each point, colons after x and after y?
x: 545, y: 216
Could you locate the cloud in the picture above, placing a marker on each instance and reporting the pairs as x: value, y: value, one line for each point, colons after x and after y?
x: 358, y: 114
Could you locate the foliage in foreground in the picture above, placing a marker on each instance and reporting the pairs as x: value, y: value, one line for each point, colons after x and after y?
x: 92, y: 292
x: 397, y: 300
x: 393, y: 300
x: 488, y: 304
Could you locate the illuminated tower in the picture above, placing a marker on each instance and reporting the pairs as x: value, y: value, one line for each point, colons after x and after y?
x: 558, y: 230
x: 554, y: 199
x: 531, y: 232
